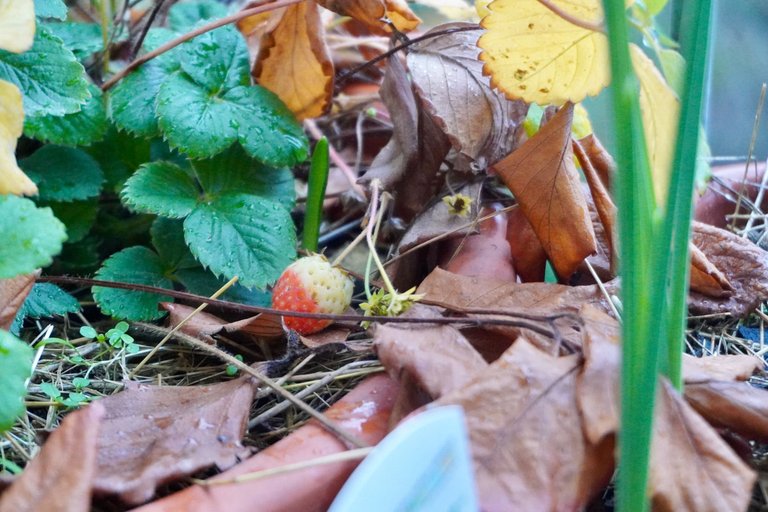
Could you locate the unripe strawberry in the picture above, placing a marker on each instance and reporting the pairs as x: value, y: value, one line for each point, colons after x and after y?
x: 312, y: 285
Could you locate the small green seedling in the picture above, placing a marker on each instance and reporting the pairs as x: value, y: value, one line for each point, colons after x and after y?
x: 232, y: 369
x: 117, y: 337
x: 73, y: 399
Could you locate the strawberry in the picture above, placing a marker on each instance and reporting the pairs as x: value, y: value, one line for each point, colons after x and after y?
x: 312, y: 285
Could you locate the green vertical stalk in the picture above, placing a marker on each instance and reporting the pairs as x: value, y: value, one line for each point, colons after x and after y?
x: 318, y: 181
x: 695, y: 45
x: 634, y: 197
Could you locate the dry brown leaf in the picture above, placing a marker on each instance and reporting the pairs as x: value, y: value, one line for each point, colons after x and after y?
x: 328, y: 336
x: 13, y: 293
x: 293, y: 61
x: 465, y: 293
x: 542, y: 176
x: 151, y: 435
x: 373, y: 13
x: 528, y: 255
x: 448, y: 78
x: 205, y: 325
x: 736, y: 406
x: 597, y: 386
x: 743, y: 264
x: 437, y: 220
x: 722, y: 367
x: 692, y: 468
x: 59, y: 478
x: 527, y: 445
x: 408, y: 164
x: 438, y: 358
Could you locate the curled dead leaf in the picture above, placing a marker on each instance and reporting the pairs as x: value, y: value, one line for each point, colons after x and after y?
x: 543, y: 177
x: 375, y: 13
x: 479, y: 121
x: 744, y: 265
x: 408, y: 164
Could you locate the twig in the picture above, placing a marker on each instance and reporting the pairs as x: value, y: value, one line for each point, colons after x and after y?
x: 308, y: 390
x: 523, y: 320
x: 752, y: 142
x: 191, y: 35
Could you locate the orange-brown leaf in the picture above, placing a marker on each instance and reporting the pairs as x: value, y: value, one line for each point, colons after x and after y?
x: 542, y: 176
x: 373, y: 12
x: 294, y: 62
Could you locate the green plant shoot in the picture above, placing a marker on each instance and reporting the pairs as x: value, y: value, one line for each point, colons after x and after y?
x: 318, y: 180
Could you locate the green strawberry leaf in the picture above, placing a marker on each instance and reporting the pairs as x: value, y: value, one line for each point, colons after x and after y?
x: 193, y: 120
x: 242, y: 235
x: 168, y: 239
x: 48, y: 74
x: 31, y: 236
x: 16, y: 362
x: 161, y: 188
x: 137, y: 265
x: 84, y: 39
x: 217, y: 60
x: 119, y: 155
x: 132, y: 100
x: 183, y: 16
x: 77, y: 129
x: 233, y: 171
x: 51, y: 9
x: 63, y: 174
x: 45, y: 300
x: 77, y: 216
x: 267, y: 129
x: 132, y: 105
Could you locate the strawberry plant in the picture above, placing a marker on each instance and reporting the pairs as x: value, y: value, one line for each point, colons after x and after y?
x: 179, y: 176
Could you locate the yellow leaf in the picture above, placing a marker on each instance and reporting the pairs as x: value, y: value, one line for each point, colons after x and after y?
x: 17, y: 25
x: 582, y: 126
x: 481, y: 6
x: 537, y: 55
x: 660, y: 109
x: 12, y: 179
x: 294, y: 62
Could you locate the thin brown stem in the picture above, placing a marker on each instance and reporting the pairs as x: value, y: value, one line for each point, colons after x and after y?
x: 193, y: 34
x: 514, y: 319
